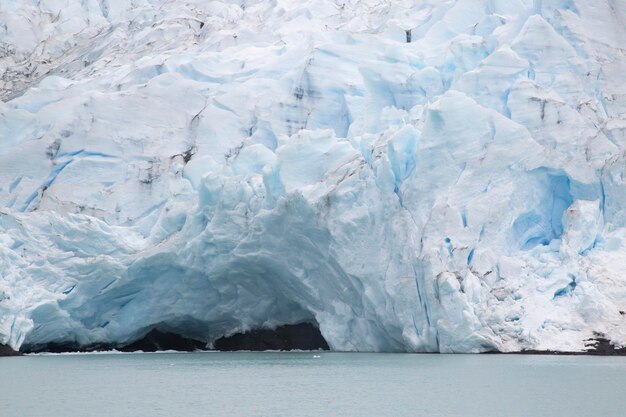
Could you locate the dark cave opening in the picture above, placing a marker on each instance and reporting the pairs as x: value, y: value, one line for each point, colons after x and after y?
x: 303, y: 336
x: 153, y: 341
x: 156, y: 341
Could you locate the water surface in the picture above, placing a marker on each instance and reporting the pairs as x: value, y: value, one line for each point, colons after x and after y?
x: 311, y: 384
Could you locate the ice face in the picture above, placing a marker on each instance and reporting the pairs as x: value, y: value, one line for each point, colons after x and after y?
x: 408, y: 176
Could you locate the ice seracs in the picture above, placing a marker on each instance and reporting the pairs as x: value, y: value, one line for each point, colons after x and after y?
x: 408, y: 176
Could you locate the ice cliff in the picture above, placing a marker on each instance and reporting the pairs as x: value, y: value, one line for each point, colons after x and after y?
x: 407, y: 175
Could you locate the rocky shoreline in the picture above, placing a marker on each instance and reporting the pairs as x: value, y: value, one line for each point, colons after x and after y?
x: 157, y: 342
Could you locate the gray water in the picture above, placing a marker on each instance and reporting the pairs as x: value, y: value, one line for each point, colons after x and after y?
x: 311, y: 384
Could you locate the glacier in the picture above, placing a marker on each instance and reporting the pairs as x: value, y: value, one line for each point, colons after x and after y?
x: 410, y: 176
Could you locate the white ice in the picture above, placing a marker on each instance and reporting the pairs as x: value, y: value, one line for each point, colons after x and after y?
x: 409, y: 175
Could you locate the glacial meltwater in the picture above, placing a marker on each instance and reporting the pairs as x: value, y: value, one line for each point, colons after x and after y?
x: 311, y: 384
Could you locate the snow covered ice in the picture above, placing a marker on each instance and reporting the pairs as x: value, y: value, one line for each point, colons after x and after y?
x: 408, y: 175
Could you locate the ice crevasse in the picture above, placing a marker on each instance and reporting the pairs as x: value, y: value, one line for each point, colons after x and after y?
x: 417, y: 176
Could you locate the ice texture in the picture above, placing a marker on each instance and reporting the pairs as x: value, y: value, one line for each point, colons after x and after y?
x: 423, y: 176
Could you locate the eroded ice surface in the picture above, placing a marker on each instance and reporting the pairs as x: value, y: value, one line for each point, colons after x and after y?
x: 409, y: 175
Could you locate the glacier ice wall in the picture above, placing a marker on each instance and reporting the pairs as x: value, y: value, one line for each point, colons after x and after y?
x: 409, y: 175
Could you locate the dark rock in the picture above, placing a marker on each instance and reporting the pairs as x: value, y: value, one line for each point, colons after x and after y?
x: 597, y: 346
x: 603, y: 346
x: 303, y: 336
x: 8, y: 351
